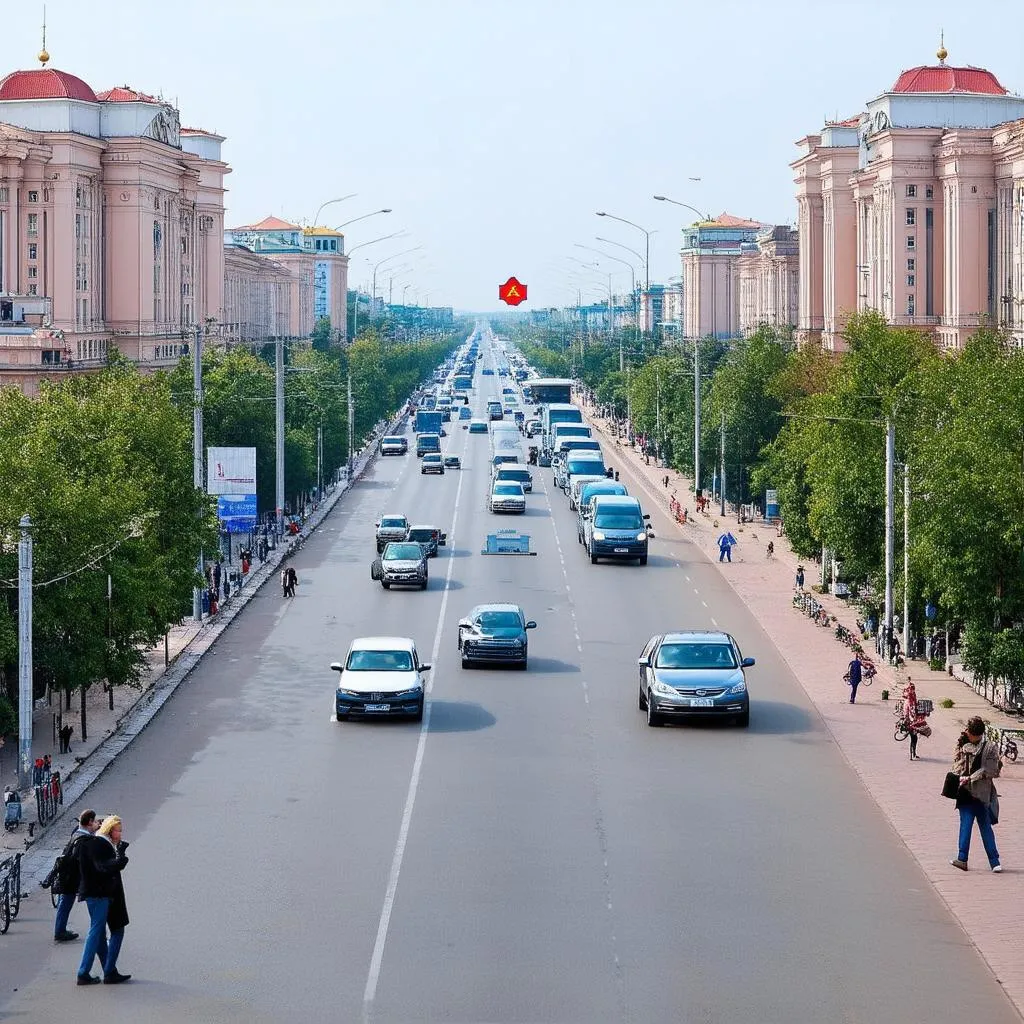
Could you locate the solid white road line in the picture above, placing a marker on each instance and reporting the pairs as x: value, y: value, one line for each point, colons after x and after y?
x: 373, y: 976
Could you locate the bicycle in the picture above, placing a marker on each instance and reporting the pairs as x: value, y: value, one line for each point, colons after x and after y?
x: 1007, y: 747
x: 10, y: 891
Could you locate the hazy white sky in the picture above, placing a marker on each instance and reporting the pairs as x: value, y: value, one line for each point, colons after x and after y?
x: 496, y: 128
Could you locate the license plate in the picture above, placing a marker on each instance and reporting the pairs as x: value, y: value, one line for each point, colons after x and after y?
x: 621, y: 551
x: 702, y: 702
x: 377, y: 707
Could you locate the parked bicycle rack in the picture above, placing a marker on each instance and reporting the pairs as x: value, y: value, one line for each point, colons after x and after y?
x: 507, y: 542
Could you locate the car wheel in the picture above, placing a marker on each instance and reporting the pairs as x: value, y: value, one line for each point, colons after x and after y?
x: 385, y: 584
x: 466, y: 663
x: 423, y: 585
x: 643, y: 559
x: 641, y: 701
x: 743, y: 720
x: 418, y: 714
x: 653, y: 718
x: 593, y: 557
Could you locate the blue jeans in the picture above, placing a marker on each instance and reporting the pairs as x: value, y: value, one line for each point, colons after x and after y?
x: 110, y: 961
x: 65, y: 901
x: 96, y: 940
x: 976, y: 811
x: 725, y: 552
x: 853, y: 691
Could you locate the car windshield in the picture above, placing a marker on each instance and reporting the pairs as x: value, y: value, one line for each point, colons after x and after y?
x: 508, y: 489
x: 393, y: 440
x: 393, y: 523
x: 379, y: 661
x: 618, y: 521
x: 431, y: 458
x: 499, y: 620
x: 409, y: 552
x: 698, y: 656
x: 421, y: 533
x: 590, y: 467
x: 513, y: 474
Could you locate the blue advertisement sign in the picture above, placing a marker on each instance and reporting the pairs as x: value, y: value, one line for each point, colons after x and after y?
x: 771, y: 504
x: 237, y: 512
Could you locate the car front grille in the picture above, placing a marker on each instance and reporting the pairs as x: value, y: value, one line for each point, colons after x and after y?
x: 700, y: 691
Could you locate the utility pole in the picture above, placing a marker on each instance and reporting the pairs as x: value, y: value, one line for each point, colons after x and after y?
x: 906, y: 560
x: 319, y: 460
x: 351, y: 424
x: 890, y: 460
x: 279, y: 434
x: 25, y: 654
x: 110, y: 634
x: 722, y: 473
x: 198, y: 477
x: 696, y: 416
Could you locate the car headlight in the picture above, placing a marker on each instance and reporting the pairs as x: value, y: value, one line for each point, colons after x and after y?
x: 641, y: 536
x: 347, y: 693
x: 597, y: 535
x: 664, y: 689
x: 740, y: 687
x: 406, y: 694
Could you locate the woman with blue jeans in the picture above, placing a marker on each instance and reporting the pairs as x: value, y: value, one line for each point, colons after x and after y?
x: 976, y: 761
x: 101, y: 860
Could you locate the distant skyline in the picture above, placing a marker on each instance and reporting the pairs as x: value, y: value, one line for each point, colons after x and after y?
x: 495, y: 131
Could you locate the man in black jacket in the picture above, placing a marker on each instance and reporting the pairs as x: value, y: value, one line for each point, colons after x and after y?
x: 101, y: 860
x: 64, y: 881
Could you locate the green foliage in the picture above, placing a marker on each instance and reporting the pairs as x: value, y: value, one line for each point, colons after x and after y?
x: 322, y: 335
x: 8, y: 717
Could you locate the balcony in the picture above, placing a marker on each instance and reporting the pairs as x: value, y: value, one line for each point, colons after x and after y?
x: 22, y: 314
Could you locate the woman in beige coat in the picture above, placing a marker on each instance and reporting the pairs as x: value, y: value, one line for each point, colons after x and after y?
x: 976, y: 761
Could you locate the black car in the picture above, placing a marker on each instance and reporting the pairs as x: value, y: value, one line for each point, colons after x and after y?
x: 428, y: 538
x: 495, y: 633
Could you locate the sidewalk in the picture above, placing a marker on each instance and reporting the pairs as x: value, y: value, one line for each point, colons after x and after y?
x: 986, y: 905
x: 109, y: 730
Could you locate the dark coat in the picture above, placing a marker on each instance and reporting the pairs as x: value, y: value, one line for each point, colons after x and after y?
x: 101, y: 866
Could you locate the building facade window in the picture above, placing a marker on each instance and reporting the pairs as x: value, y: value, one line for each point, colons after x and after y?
x: 929, y: 192
x: 910, y: 305
x: 33, y: 196
x: 911, y: 263
x: 33, y: 223
x: 910, y: 280
x: 32, y: 289
x: 911, y: 242
x: 3, y: 194
x: 911, y: 217
x: 33, y: 272
x: 33, y: 250
x: 911, y: 191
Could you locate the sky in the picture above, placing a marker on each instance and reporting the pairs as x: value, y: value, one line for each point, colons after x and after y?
x: 495, y: 130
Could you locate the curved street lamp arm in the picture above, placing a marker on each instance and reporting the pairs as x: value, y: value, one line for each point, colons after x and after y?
x: 331, y: 202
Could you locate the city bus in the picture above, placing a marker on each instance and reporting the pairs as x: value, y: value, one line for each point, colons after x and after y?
x: 546, y: 390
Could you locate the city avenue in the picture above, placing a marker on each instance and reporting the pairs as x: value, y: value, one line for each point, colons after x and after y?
x: 532, y: 851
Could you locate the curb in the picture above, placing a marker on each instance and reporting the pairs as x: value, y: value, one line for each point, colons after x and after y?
x: 39, y: 853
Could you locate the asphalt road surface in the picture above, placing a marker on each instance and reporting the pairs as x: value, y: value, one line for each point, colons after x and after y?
x: 533, y: 851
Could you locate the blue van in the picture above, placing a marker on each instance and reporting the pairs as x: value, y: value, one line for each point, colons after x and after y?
x: 465, y: 413
x: 587, y: 494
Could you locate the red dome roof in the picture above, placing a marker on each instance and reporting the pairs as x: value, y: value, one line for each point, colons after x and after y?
x: 125, y: 94
x: 944, y: 78
x: 45, y: 84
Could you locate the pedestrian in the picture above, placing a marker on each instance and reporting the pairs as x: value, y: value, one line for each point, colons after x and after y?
x: 771, y: 550
x: 65, y: 876
x: 284, y: 582
x: 725, y: 545
x: 916, y: 723
x: 216, y: 576
x: 65, y: 738
x: 854, y: 672
x: 293, y: 581
x: 211, y: 595
x: 976, y: 761
x: 799, y: 577
x: 665, y: 482
x: 47, y: 767
x: 227, y: 585
x: 102, y: 858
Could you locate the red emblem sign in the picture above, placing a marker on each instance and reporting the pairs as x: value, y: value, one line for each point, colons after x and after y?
x: 512, y: 291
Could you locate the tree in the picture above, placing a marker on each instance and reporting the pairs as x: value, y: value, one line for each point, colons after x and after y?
x: 323, y: 335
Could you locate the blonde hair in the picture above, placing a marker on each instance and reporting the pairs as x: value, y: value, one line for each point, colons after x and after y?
x: 109, y: 824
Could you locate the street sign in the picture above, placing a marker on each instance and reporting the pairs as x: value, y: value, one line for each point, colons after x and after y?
x: 237, y: 512
x: 771, y: 504
x: 512, y: 291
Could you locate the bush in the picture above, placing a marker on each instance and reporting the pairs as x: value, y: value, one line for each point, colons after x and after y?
x: 937, y: 665
x: 947, y: 702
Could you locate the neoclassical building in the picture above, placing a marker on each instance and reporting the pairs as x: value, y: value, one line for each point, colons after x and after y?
x: 111, y: 227
x: 915, y: 208
x: 768, y: 270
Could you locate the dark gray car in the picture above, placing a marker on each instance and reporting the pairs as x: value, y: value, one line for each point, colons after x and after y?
x: 694, y: 674
x: 495, y: 633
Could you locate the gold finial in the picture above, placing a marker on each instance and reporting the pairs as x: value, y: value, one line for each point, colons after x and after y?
x: 942, y: 52
x: 44, y: 57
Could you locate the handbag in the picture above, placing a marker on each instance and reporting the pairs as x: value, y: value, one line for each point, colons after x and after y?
x: 993, y: 807
x: 951, y: 786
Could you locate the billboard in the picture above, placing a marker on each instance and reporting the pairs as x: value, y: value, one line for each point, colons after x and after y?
x: 230, y: 470
x: 771, y: 504
x: 237, y: 512
x: 321, y: 288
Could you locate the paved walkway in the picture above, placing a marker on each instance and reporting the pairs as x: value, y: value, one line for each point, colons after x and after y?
x: 986, y: 905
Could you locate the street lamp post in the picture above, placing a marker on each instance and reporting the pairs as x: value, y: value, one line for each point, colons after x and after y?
x: 632, y: 275
x: 25, y: 653
x: 647, y: 237
x: 375, y: 213
x: 197, y: 449
x: 387, y: 259
x: 363, y: 245
x: 331, y: 202
x: 676, y: 202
